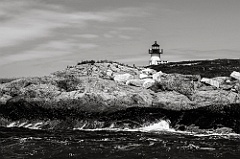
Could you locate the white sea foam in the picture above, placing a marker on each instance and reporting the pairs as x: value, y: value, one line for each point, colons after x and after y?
x: 22, y: 124
x: 25, y: 124
x: 13, y: 124
x: 159, y: 126
x: 216, y: 134
x: 28, y: 125
x: 36, y: 125
x: 162, y: 125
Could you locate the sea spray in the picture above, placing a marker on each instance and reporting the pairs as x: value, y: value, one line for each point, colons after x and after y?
x: 162, y: 125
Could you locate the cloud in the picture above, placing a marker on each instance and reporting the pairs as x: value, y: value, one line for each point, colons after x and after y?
x: 116, y: 34
x: 129, y: 29
x: 38, y: 24
x: 87, y: 46
x: 191, y: 54
x: 51, y: 49
x: 124, y: 37
x: 108, y: 35
x: 39, y: 31
x: 27, y: 24
x: 88, y: 36
x: 31, y: 29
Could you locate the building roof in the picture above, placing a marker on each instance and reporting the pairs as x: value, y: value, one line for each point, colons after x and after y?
x: 155, y: 44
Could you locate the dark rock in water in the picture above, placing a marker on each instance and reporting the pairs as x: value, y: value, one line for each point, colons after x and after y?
x: 213, y: 117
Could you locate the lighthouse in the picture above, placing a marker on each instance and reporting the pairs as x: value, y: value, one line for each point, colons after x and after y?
x: 155, y: 53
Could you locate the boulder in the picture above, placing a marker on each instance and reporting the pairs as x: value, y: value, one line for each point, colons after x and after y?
x: 235, y: 75
x: 69, y: 95
x: 4, y: 98
x: 157, y: 76
x: 45, y: 91
x: 144, y: 76
x: 215, y: 97
x: 211, y: 82
x: 236, y: 88
x: 184, y: 84
x: 122, y: 78
x: 146, y: 73
x: 148, y: 83
x: 171, y: 100
x: 109, y: 73
x: 209, y: 88
x: 135, y: 82
x: 222, y: 80
x: 228, y: 81
x: 227, y: 84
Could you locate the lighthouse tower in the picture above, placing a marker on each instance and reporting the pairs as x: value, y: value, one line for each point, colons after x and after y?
x: 155, y: 53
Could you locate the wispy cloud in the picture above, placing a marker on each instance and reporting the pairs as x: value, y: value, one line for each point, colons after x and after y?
x: 117, y: 34
x: 88, y: 36
x: 36, y: 23
x: 129, y: 28
x: 40, y: 30
x: 22, y: 22
x: 107, y: 35
x: 51, y: 49
x: 191, y: 54
x: 87, y: 46
x: 126, y: 37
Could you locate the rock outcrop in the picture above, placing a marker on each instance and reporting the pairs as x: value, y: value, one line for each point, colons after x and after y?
x: 235, y: 75
x: 106, y: 85
x: 211, y: 82
x: 122, y: 78
x: 111, y: 87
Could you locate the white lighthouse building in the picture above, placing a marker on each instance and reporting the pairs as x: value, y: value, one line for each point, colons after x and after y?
x: 155, y: 53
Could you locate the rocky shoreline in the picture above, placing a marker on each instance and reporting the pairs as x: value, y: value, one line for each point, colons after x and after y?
x: 111, y: 92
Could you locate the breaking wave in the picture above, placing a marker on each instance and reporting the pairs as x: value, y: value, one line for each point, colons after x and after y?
x: 161, y: 125
x: 155, y: 127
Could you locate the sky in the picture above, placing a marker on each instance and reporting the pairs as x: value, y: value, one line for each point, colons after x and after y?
x: 38, y: 37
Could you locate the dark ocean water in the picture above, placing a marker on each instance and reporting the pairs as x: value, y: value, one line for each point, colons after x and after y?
x: 151, y: 142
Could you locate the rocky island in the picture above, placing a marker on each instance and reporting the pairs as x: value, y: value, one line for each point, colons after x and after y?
x: 191, y: 95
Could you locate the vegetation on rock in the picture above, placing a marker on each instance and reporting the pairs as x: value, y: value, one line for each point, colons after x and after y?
x: 204, y: 68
